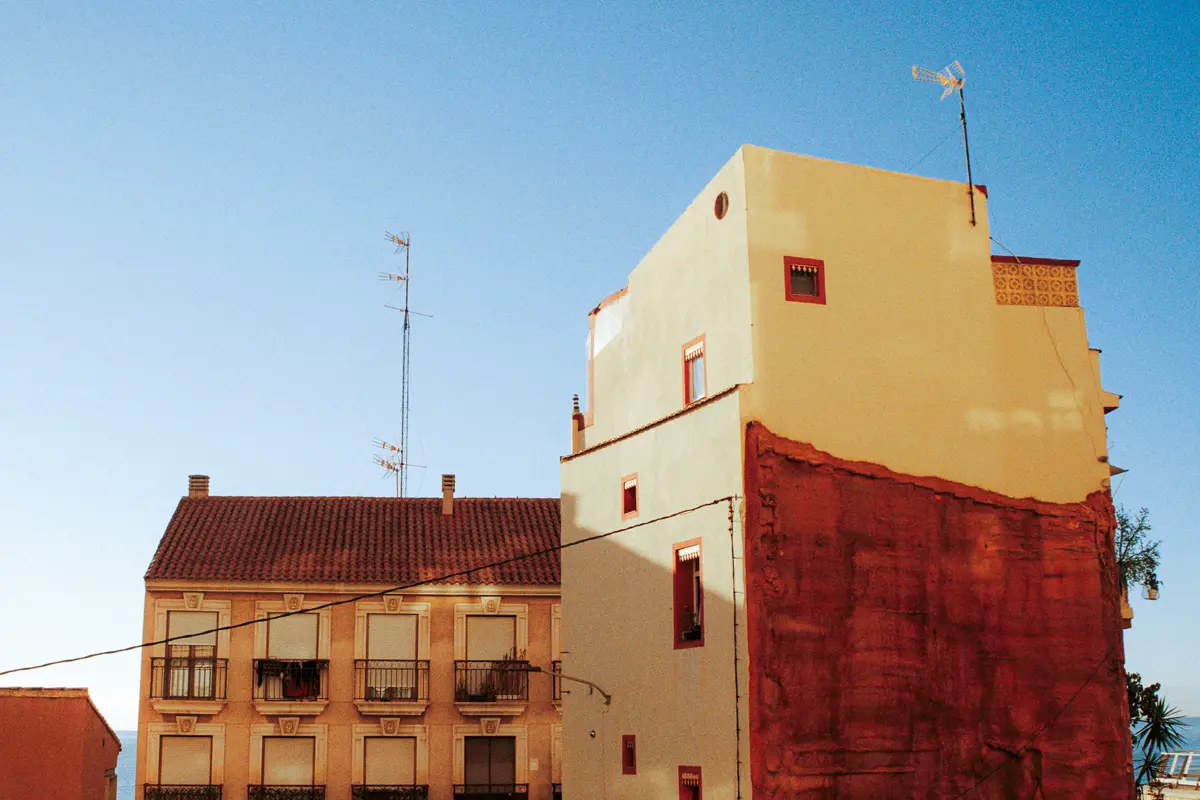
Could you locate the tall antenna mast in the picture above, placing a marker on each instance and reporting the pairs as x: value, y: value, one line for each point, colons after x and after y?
x: 396, y: 461
x: 951, y: 83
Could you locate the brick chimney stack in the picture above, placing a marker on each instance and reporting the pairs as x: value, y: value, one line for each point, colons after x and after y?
x: 447, y: 495
x: 197, y: 486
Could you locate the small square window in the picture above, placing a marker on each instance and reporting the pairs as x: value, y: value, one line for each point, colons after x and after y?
x: 629, y: 754
x: 694, y: 376
x: 629, y: 496
x: 805, y: 280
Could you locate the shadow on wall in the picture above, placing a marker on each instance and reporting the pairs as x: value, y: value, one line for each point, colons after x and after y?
x: 679, y: 703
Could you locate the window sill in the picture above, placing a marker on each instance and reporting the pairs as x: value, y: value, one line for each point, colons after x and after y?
x: 499, y: 708
x: 392, y: 708
x: 290, y: 707
x: 186, y: 706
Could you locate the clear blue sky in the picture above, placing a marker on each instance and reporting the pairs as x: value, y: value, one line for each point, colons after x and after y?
x: 193, y: 200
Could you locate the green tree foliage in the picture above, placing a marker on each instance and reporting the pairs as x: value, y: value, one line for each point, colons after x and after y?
x: 1137, y: 555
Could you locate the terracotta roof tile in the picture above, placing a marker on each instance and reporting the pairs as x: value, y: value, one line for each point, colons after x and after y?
x: 382, y: 540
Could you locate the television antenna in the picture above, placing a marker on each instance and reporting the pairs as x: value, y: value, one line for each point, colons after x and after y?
x: 952, y: 82
x: 395, y: 459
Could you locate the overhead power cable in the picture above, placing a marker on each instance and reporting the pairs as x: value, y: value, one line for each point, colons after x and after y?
x: 382, y: 592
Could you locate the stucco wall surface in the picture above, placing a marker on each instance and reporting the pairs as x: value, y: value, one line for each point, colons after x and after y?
x: 693, y: 282
x: 908, y: 636
x: 618, y: 610
x: 910, y: 362
x: 53, y: 747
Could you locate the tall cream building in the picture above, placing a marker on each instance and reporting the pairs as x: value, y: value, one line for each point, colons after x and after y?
x: 317, y: 692
x: 863, y: 469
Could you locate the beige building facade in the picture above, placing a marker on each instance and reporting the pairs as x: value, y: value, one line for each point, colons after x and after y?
x: 820, y: 387
x: 318, y: 683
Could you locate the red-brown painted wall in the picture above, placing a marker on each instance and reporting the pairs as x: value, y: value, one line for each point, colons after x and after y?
x: 54, y: 747
x: 907, y: 636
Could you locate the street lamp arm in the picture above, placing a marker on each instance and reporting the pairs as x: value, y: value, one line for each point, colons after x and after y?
x: 562, y: 675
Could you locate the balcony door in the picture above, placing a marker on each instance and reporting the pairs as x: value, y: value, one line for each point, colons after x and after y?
x: 191, y: 660
x: 490, y: 764
x: 288, y: 760
x: 390, y: 761
x: 185, y: 760
x: 392, y: 657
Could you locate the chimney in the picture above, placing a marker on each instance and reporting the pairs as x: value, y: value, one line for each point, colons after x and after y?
x: 447, y: 495
x: 197, y: 486
x: 576, y: 425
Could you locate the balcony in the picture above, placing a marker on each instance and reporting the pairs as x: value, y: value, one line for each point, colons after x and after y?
x: 491, y: 688
x: 290, y: 686
x: 286, y: 792
x: 187, y: 685
x: 389, y: 792
x: 391, y: 688
x: 556, y: 790
x: 556, y: 668
x: 492, y: 791
x: 159, y: 792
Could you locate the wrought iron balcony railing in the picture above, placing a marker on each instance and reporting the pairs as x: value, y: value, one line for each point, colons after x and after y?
x: 291, y: 680
x: 491, y: 681
x: 386, y: 680
x: 368, y: 792
x: 190, y: 678
x: 162, y: 792
x: 286, y: 792
x: 493, y: 791
x: 556, y: 667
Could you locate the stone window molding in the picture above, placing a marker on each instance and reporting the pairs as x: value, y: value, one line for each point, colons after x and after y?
x: 392, y: 604
x: 185, y: 726
x: 390, y: 727
x: 556, y: 753
x: 484, y: 606
x: 492, y: 727
x: 191, y: 601
x: 291, y: 602
x: 318, y: 733
x: 556, y: 632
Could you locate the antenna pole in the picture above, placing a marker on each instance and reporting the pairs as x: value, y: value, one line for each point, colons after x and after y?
x: 962, y: 115
x: 402, y: 475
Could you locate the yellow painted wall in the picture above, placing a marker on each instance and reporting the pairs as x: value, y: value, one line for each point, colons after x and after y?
x: 693, y: 282
x: 911, y: 363
x: 341, y: 714
x: 619, y: 631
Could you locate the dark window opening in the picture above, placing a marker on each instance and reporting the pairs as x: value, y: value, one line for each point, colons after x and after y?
x: 805, y: 280
x: 629, y: 755
x: 490, y: 764
x: 629, y: 496
x: 689, y: 597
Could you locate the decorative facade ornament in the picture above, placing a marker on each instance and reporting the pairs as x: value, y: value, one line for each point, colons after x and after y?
x: 392, y: 603
x: 491, y: 605
x: 289, y: 725
x: 186, y: 724
x: 192, y: 600
x: 293, y: 602
x: 390, y: 725
x: 489, y: 726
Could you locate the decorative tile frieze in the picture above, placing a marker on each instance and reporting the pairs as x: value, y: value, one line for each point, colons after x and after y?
x: 1035, y: 285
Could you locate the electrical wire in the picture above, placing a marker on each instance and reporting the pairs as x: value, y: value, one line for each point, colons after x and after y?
x: 932, y: 149
x: 1020, y: 750
x: 382, y: 592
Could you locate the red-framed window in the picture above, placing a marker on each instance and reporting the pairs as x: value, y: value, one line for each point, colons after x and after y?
x: 804, y: 280
x: 629, y: 496
x: 690, y: 784
x: 629, y: 754
x: 695, y: 371
x: 689, y: 595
